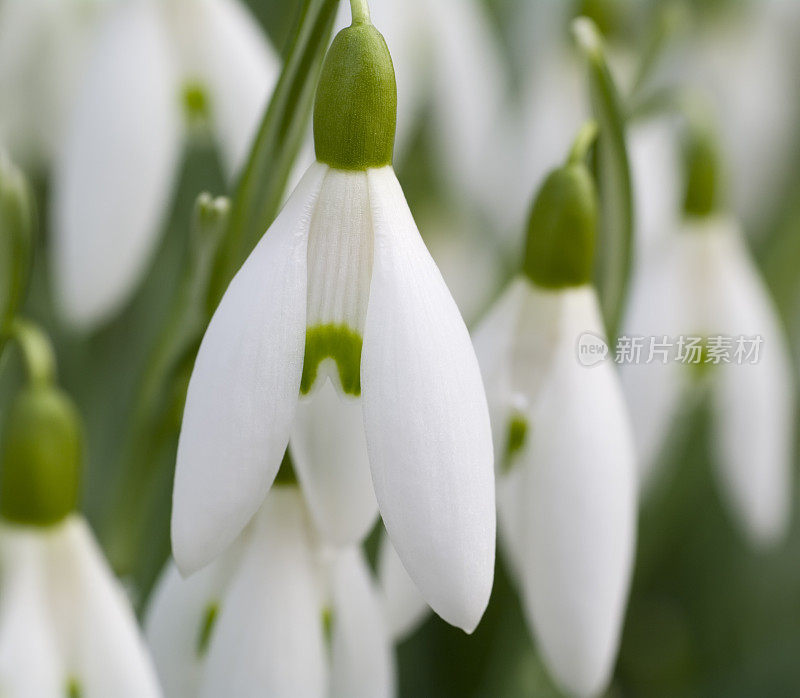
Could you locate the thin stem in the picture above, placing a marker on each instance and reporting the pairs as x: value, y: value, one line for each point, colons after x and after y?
x: 36, y: 350
x: 583, y: 142
x: 360, y: 11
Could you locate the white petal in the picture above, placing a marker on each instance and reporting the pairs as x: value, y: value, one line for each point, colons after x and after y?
x: 104, y: 650
x: 511, y: 504
x: 514, y: 344
x: 581, y: 511
x: 662, y: 304
x: 244, y: 388
x: 329, y: 450
x: 113, y: 180
x: 426, y: 418
x: 754, y: 408
x: 177, y: 618
x: 241, y: 69
x: 268, y: 640
x: 404, y: 607
x: 362, y: 657
x: 29, y: 661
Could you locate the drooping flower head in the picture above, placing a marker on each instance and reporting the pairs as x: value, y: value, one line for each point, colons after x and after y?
x: 65, y: 625
x: 701, y: 287
x: 341, y: 301
x: 277, y: 614
x: 564, y: 452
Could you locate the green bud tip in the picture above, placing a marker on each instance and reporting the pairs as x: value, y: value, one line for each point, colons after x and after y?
x: 702, y: 168
x: 40, y: 457
x: 355, y: 112
x: 561, y: 229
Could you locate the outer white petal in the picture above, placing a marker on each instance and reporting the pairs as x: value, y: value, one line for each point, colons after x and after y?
x: 113, y: 179
x: 268, y: 640
x: 754, y: 408
x: 29, y: 660
x: 241, y: 69
x: 426, y: 418
x: 105, y: 652
x: 581, y: 511
x: 175, y: 620
x: 244, y: 388
x: 663, y: 303
x: 404, y: 607
x: 330, y: 455
x: 362, y: 657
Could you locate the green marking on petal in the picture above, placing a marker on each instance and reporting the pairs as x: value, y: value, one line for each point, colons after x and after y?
x: 195, y: 100
x: 337, y: 342
x: 515, y: 440
x: 209, y: 619
x: 73, y: 688
x: 327, y: 624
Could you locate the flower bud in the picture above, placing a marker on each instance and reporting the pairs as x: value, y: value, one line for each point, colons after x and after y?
x: 40, y: 457
x: 355, y: 112
x: 561, y: 229
x: 16, y: 230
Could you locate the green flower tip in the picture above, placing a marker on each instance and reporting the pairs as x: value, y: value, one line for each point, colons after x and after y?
x: 40, y: 457
x: 355, y: 112
x: 702, y: 168
x: 562, y: 228
x: 17, y: 222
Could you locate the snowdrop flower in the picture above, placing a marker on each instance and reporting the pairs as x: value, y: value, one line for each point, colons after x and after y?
x: 254, y: 622
x: 702, y: 282
x: 341, y: 301
x: 65, y: 624
x: 113, y: 177
x: 43, y: 50
x: 566, y: 471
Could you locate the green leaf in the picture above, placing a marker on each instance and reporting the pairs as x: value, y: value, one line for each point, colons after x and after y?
x: 613, y: 177
x: 261, y: 187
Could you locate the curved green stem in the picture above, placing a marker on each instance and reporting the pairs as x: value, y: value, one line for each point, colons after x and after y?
x: 583, y: 142
x: 36, y: 350
x: 611, y: 168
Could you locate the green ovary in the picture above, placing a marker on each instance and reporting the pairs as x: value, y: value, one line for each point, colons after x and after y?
x: 337, y: 342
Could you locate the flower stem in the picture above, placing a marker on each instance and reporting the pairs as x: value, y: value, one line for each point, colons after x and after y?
x: 583, y: 142
x: 36, y: 350
x: 360, y: 11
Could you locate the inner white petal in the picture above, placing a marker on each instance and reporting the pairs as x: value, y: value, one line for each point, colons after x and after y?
x: 340, y: 253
